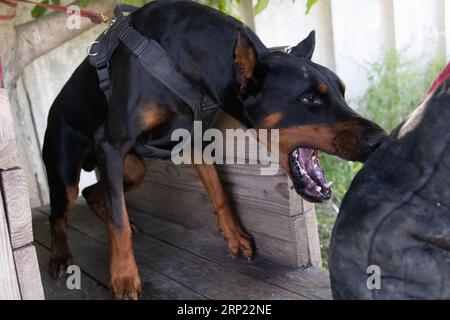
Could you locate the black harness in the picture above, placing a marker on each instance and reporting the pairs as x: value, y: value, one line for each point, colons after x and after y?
x: 155, y: 61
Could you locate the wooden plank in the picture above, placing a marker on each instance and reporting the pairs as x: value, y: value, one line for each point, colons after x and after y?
x: 267, y: 207
x: 242, y: 182
x: 199, y: 274
x: 307, y: 239
x: 17, y: 205
x: 312, y: 282
x: 6, y: 125
x: 6, y: 119
x: 28, y: 273
x: 9, y: 155
x: 305, y: 230
x: 262, y: 204
x: 57, y: 290
x: 93, y: 256
x: 28, y: 146
x: 9, y: 287
x: 8, y: 150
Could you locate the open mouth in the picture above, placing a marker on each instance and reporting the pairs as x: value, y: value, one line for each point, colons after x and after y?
x: 309, y: 178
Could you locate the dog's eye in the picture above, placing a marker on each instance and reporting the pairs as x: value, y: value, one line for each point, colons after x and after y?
x: 312, y: 100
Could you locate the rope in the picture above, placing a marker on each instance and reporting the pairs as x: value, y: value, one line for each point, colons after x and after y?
x: 7, y: 17
x: 9, y: 3
x: 95, y: 17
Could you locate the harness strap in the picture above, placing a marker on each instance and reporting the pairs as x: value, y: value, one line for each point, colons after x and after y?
x: 105, y: 45
x: 155, y: 61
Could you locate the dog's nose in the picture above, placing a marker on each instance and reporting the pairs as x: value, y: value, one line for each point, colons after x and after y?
x: 375, y: 139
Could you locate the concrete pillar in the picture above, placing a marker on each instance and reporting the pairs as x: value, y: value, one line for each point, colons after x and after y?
x: 420, y: 27
x: 447, y: 28
x: 362, y: 30
x: 284, y: 23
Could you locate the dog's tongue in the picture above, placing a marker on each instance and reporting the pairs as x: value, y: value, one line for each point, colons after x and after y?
x: 309, y: 178
x: 311, y: 162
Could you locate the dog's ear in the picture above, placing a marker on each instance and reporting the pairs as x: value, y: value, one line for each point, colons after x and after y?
x: 247, y: 65
x: 305, y: 49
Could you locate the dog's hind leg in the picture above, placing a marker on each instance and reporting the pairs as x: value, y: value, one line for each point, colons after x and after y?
x: 63, y: 154
x: 228, y: 223
x: 134, y: 170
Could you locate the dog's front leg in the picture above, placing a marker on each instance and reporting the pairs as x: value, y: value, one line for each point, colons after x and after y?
x: 228, y: 223
x: 124, y: 275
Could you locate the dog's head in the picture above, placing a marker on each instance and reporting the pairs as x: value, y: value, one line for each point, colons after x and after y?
x: 305, y: 101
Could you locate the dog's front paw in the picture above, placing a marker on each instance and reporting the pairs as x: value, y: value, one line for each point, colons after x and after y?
x: 126, y: 285
x: 237, y: 240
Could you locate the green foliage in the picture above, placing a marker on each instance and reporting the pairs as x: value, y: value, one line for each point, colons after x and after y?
x: 137, y: 3
x: 310, y: 4
x: 397, y: 84
x: 226, y: 6
x: 38, y: 11
x: 260, y: 6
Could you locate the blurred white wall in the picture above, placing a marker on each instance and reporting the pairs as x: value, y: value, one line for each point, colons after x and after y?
x: 447, y: 28
x: 353, y: 33
x: 285, y: 23
x: 420, y: 26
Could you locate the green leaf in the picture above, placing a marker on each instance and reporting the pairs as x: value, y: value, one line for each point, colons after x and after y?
x: 39, y: 11
x: 309, y: 5
x: 260, y: 6
x: 84, y: 3
x: 56, y: 2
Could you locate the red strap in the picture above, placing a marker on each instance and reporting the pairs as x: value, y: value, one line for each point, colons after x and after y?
x: 9, y: 3
x: 445, y: 74
x: 7, y: 17
x: 95, y: 17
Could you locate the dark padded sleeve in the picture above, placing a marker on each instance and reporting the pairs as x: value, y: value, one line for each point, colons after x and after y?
x: 396, y: 214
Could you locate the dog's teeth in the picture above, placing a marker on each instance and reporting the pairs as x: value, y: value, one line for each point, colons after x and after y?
x: 328, y: 184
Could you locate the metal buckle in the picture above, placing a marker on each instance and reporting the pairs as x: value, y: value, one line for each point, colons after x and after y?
x: 102, y: 64
x: 89, y: 49
x: 208, y: 104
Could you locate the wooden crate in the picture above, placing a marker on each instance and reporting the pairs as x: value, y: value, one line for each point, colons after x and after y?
x: 282, y: 223
x: 19, y: 271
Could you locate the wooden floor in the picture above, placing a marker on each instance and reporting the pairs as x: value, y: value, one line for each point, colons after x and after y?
x: 174, y: 263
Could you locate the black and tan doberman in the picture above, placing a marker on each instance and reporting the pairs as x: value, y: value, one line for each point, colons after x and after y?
x: 223, y: 57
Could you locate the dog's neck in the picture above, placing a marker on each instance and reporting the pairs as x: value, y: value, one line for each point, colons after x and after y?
x: 237, y: 111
